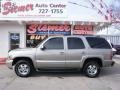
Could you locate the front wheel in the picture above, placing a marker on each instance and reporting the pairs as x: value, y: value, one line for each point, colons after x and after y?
x: 91, y: 69
x: 23, y: 68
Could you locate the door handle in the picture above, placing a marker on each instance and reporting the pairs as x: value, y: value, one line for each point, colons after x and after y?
x: 83, y: 53
x: 61, y: 53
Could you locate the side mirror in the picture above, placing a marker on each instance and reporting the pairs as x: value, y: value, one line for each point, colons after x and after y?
x: 42, y: 48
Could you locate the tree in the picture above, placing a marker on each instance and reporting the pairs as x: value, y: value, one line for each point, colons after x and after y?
x: 115, y: 7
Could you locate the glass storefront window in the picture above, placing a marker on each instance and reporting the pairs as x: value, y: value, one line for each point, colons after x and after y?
x: 34, y: 40
x: 35, y: 33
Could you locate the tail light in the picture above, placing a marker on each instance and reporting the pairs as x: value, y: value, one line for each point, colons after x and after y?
x: 111, y: 55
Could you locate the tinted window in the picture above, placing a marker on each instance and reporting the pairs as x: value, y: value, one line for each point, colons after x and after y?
x: 54, y: 43
x: 75, y: 43
x: 96, y: 42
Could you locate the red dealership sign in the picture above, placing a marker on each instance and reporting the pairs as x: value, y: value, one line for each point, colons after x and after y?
x: 83, y: 29
x: 43, y: 29
x: 33, y: 9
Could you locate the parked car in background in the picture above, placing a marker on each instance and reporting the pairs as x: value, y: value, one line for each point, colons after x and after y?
x: 117, y: 47
x: 112, y: 46
x: 88, y: 53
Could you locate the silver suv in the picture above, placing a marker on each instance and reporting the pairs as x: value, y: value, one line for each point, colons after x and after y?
x: 88, y: 53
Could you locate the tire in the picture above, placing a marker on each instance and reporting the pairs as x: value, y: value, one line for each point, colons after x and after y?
x: 23, y: 68
x: 91, y: 69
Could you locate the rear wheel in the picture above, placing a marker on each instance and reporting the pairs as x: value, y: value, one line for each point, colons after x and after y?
x: 23, y: 68
x: 91, y: 69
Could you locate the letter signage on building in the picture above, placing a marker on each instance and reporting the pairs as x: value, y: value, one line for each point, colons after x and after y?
x: 83, y: 29
x: 44, y: 29
x: 49, y: 10
x: 33, y: 9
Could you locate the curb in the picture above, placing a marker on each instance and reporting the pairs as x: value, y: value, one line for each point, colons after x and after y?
x: 2, y: 61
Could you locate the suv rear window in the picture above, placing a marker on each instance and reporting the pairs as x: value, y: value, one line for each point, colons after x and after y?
x: 75, y: 43
x: 96, y: 42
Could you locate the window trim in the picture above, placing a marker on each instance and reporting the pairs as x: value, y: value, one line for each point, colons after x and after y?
x: 52, y: 38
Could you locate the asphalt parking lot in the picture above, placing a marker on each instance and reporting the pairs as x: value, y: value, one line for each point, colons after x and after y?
x: 109, y: 79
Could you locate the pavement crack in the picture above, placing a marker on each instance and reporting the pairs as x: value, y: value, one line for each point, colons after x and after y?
x: 9, y: 83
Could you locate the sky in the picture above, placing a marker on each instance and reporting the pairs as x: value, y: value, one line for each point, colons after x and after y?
x: 88, y: 13
x: 111, y: 30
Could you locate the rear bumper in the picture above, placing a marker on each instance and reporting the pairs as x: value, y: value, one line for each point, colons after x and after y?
x: 9, y: 64
x: 108, y: 63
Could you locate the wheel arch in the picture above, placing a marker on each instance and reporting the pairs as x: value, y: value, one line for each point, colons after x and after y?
x: 15, y: 60
x: 95, y: 59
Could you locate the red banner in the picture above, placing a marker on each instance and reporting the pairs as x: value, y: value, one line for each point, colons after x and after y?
x: 83, y: 29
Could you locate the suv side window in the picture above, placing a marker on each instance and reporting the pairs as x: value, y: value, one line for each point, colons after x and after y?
x: 96, y: 42
x: 54, y: 43
x: 75, y: 43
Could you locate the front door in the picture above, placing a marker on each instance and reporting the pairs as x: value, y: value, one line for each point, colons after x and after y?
x: 53, y: 56
x: 14, y: 40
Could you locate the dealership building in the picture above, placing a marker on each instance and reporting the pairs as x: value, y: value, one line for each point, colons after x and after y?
x: 25, y: 24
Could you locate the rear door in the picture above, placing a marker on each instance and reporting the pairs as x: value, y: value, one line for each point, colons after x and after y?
x: 75, y: 51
